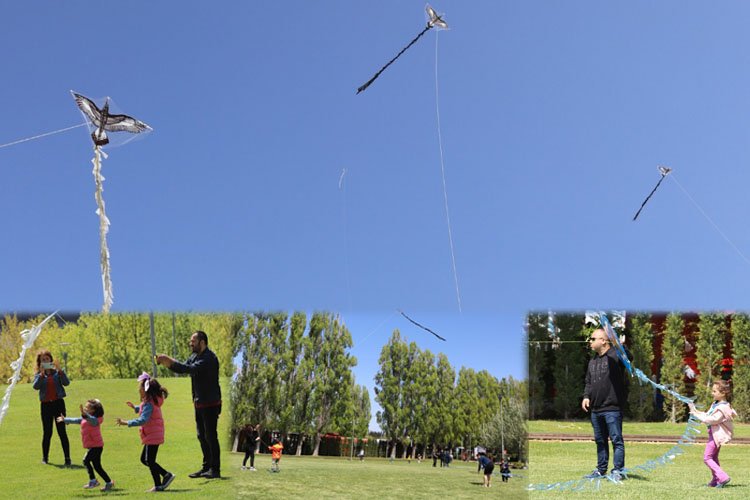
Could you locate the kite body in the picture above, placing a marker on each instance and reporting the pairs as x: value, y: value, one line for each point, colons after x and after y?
x: 104, y: 121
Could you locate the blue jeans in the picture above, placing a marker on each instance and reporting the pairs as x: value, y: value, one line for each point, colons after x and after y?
x: 608, y: 424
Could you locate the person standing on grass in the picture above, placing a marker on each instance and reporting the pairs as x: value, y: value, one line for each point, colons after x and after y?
x: 605, y: 394
x: 486, y: 463
x: 151, y: 428
x: 90, y: 421
x: 275, y: 448
x: 203, y: 367
x: 505, y: 470
x: 251, y: 442
x: 720, y: 429
x: 49, y: 381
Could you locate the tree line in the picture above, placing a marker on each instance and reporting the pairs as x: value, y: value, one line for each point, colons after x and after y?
x: 686, y: 352
x: 426, y: 406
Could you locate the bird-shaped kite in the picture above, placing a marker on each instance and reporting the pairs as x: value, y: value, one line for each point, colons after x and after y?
x: 101, y: 122
x: 434, y: 19
x: 664, y: 172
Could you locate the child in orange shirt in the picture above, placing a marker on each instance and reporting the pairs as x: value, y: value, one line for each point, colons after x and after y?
x: 275, y: 448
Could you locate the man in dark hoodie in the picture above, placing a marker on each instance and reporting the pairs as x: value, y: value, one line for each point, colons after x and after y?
x: 605, y: 395
x: 203, y: 367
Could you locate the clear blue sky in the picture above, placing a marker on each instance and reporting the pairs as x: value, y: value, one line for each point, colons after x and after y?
x: 554, y: 118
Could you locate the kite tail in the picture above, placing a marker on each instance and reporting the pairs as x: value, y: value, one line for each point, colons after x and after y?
x: 644, y: 378
x: 649, y: 197
x: 103, y: 229
x: 376, y: 75
x: 28, y: 336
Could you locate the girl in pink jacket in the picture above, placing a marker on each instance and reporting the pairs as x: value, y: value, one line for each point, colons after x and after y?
x: 91, y: 419
x: 720, y: 428
x: 151, y: 427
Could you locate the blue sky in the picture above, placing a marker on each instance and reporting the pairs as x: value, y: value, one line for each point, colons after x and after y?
x: 554, y: 118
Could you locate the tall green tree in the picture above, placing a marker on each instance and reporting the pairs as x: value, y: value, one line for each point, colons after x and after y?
x: 538, y: 347
x: 741, y: 372
x: 570, y: 363
x: 640, y: 341
x: 709, y: 352
x: 389, y: 389
x: 671, y: 373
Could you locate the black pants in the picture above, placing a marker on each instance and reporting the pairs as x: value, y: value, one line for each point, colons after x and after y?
x: 250, y: 453
x: 49, y: 412
x: 206, y: 420
x: 93, y: 461
x: 148, y: 458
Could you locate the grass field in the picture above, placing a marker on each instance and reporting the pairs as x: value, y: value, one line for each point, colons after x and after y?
x: 636, y: 428
x: 24, y: 476
x: 554, y: 461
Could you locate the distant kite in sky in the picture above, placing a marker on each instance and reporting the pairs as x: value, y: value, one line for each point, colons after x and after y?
x: 664, y: 172
x: 100, y: 122
x: 421, y: 326
x: 434, y: 19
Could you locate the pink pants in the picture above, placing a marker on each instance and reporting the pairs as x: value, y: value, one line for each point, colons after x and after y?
x: 711, y: 459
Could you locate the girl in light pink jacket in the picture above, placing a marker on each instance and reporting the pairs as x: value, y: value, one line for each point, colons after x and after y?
x: 151, y: 428
x: 90, y: 421
x: 720, y: 429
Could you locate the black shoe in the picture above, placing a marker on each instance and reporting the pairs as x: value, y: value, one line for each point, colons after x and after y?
x: 168, y: 478
x: 67, y: 462
x: 211, y: 474
x: 198, y: 473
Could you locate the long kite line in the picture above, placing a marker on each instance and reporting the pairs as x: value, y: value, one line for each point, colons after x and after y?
x: 688, y: 436
x: 434, y: 20
x: 664, y: 172
x: 46, y: 134
x: 421, y: 326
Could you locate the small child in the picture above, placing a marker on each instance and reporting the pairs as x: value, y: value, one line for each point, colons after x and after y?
x: 505, y: 470
x: 275, y: 448
x: 486, y: 463
x: 151, y: 429
x: 720, y: 429
x: 90, y: 421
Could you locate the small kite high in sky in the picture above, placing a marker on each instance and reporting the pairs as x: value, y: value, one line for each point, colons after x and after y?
x: 664, y: 172
x: 434, y: 19
x: 100, y: 122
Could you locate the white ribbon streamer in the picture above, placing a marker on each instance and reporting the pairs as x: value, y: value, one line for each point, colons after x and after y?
x: 103, y: 229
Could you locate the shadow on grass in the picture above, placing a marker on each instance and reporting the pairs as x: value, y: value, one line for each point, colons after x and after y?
x: 72, y: 466
x: 637, y: 477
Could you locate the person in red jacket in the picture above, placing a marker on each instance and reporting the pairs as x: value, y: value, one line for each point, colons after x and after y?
x: 151, y: 429
x: 275, y: 448
x: 91, y: 419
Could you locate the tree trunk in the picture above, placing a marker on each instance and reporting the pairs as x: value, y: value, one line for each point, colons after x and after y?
x: 299, y: 445
x: 393, y: 449
x: 317, y: 445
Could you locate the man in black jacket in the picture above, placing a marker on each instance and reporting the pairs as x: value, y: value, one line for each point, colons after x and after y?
x: 203, y: 367
x: 605, y: 395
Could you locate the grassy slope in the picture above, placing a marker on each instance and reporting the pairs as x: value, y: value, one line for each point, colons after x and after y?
x: 21, y: 434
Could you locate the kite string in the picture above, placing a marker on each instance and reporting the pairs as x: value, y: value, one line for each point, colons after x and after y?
x: 442, y: 170
x: 19, y: 141
x: 342, y: 188
x: 700, y: 209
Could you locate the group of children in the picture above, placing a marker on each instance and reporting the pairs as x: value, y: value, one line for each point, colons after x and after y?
x: 151, y: 426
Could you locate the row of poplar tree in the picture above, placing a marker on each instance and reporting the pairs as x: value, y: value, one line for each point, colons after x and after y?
x: 557, y: 367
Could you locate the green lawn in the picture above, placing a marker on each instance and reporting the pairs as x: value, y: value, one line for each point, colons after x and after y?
x: 24, y: 476
x: 637, y: 428
x: 552, y: 462
x: 324, y: 477
x: 21, y: 437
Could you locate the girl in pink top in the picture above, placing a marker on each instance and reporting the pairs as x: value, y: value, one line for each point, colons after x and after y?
x: 91, y: 433
x: 720, y: 429
x: 151, y: 427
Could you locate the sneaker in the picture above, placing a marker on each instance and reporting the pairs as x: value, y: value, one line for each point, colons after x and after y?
x: 91, y: 484
x: 168, y: 478
x: 253, y: 468
x: 243, y: 468
x: 616, y: 475
x: 198, y: 473
x: 211, y: 474
x: 45, y: 461
x: 67, y: 462
x: 594, y: 475
x: 108, y: 486
x: 723, y: 483
x: 155, y: 489
x: 712, y: 484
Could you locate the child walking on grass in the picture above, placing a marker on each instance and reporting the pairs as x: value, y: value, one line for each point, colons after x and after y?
x: 90, y: 421
x: 151, y: 429
x: 720, y: 429
x: 275, y: 448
